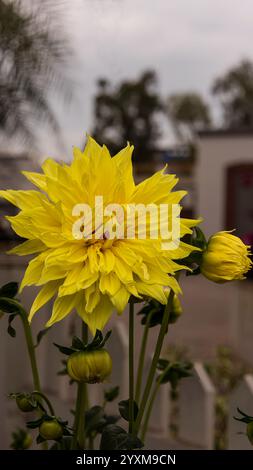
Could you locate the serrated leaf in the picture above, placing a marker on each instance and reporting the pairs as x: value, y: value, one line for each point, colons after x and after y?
x: 124, y: 409
x: 9, y: 290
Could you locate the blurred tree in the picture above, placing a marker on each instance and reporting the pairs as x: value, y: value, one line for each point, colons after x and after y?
x: 128, y: 112
x: 235, y: 89
x: 30, y: 53
x: 188, y: 113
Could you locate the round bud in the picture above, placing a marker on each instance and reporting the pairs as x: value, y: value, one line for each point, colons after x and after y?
x: 24, y: 403
x: 90, y: 366
x: 51, y: 430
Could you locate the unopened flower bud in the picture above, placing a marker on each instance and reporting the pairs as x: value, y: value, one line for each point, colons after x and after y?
x: 176, y: 310
x: 90, y: 366
x: 226, y: 258
x: 51, y: 430
x: 24, y: 403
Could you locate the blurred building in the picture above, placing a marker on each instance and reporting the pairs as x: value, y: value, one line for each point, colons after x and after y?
x: 224, y: 181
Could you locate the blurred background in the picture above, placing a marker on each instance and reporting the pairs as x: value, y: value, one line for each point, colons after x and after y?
x: 176, y: 80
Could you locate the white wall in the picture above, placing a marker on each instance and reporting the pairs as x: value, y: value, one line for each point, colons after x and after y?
x: 216, y: 153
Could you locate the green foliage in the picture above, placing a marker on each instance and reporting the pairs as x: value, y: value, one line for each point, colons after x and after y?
x: 235, y: 90
x: 127, y: 112
x: 9, y: 305
x: 32, y: 50
x: 226, y: 371
x: 111, y: 394
x: 21, y: 440
x: 97, y: 342
x: 116, y: 438
x: 124, y: 409
x: 188, y: 113
x: 96, y: 420
x: 173, y: 372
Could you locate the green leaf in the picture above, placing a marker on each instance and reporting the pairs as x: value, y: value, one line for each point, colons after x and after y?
x: 35, y: 424
x: 9, y: 290
x: 10, y: 330
x: 40, y: 439
x: 78, y: 344
x: 116, y: 438
x: 64, y: 349
x: 41, y: 335
x: 93, y: 418
x: 107, y: 336
x: 111, y: 394
x: 244, y: 417
x: 173, y: 372
x: 124, y: 409
x: 8, y: 305
x: 152, y: 313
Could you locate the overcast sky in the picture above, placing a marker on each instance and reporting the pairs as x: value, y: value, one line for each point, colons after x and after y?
x: 188, y: 43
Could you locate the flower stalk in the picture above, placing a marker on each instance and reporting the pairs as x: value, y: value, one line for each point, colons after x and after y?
x: 154, y: 363
x: 81, y: 402
x: 131, y: 366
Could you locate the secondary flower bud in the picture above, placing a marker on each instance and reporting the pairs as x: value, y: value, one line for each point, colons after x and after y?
x: 176, y: 310
x: 226, y: 258
x: 24, y: 403
x: 51, y: 430
x: 90, y: 366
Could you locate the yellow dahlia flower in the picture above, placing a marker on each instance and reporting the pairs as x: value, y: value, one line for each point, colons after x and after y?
x: 93, y: 275
x: 226, y: 258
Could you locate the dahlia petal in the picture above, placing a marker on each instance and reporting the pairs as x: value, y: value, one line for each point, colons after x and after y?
x: 62, y: 307
x: 100, y: 315
x: 45, y: 294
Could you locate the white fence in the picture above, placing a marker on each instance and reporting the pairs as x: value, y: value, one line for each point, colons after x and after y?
x: 196, y: 398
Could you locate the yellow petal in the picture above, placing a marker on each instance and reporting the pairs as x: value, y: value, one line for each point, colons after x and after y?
x: 100, y: 315
x: 62, y: 307
x: 28, y: 248
x: 45, y: 294
x: 37, y: 179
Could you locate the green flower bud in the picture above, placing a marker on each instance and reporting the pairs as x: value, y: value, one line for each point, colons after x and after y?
x: 176, y: 310
x: 90, y: 366
x: 24, y: 403
x: 27, y: 441
x: 249, y: 432
x: 51, y: 430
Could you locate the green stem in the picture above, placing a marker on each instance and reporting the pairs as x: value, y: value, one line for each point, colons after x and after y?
x: 142, y: 359
x: 50, y: 407
x: 29, y: 342
x: 131, y: 367
x: 30, y: 348
x: 148, y: 412
x: 81, y: 401
x: 155, y: 359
